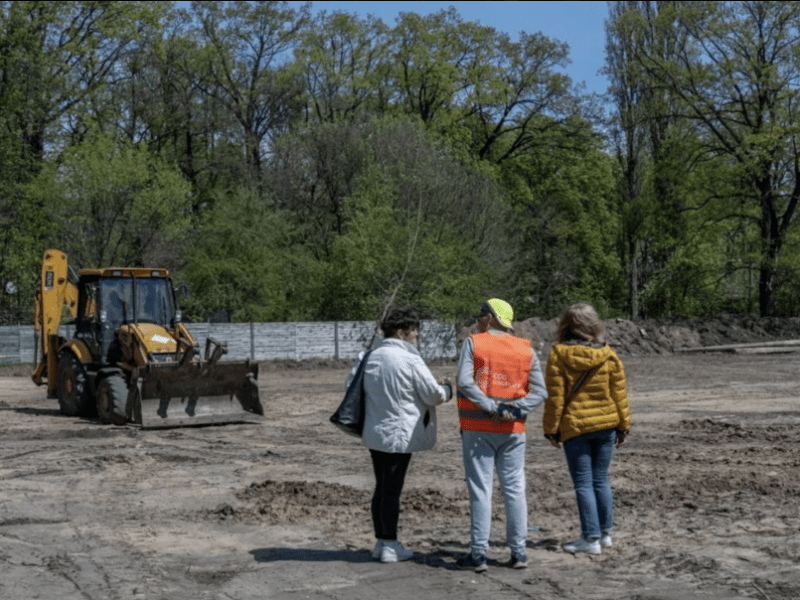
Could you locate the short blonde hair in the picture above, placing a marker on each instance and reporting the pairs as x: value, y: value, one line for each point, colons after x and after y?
x: 580, y: 322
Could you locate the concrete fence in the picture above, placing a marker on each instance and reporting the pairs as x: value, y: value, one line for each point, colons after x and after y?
x: 265, y: 341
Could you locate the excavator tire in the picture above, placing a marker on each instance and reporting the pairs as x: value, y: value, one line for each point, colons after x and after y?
x: 74, y: 395
x: 112, y: 395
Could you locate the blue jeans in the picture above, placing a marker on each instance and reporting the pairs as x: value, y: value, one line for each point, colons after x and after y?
x: 482, y: 453
x: 588, y: 457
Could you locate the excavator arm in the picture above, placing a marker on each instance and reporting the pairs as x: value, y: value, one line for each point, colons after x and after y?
x: 55, y: 296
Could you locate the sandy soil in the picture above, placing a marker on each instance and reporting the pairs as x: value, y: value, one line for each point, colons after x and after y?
x: 707, y: 499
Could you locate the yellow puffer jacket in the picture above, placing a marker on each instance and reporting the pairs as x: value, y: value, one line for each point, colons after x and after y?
x: 602, y: 401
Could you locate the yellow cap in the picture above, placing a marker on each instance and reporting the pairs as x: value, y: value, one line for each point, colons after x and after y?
x: 501, y: 310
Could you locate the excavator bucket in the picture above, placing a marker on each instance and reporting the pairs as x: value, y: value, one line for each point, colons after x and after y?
x: 178, y: 395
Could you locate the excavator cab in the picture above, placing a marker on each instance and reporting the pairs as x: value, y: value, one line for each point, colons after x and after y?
x: 124, y: 300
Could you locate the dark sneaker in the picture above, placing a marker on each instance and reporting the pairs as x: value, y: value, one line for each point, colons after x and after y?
x: 518, y: 561
x: 477, y: 564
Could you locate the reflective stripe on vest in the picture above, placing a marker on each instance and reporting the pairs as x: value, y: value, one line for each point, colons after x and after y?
x: 501, y: 366
x: 472, y: 418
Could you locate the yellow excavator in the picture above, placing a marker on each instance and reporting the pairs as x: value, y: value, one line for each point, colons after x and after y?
x: 131, y: 359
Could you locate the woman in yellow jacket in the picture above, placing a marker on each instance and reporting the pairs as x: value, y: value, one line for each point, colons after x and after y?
x: 586, y: 410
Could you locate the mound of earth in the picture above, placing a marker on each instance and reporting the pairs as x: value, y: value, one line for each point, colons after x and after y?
x: 663, y: 336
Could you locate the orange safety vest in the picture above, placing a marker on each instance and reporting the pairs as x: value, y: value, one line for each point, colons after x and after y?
x: 501, y: 367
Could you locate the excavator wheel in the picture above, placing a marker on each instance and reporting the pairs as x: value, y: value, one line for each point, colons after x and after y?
x: 112, y: 395
x: 74, y: 395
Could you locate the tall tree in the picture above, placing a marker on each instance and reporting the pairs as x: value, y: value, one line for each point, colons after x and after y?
x: 57, y: 58
x: 527, y: 105
x: 735, y: 74
x: 247, y: 48
x: 162, y: 103
x: 430, y: 58
x: 651, y: 147
x: 343, y: 60
x: 492, y: 96
x: 57, y: 62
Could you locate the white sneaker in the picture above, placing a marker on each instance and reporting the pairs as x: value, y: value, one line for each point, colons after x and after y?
x: 582, y: 545
x: 393, y: 551
x: 376, y: 551
x: 605, y: 540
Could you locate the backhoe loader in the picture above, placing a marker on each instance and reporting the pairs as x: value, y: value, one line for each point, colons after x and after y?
x: 131, y: 358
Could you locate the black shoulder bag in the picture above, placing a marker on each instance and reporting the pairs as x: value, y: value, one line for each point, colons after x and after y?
x: 349, y: 417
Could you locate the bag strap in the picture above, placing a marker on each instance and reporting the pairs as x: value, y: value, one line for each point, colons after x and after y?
x: 358, y: 377
x: 581, y: 380
x: 584, y: 376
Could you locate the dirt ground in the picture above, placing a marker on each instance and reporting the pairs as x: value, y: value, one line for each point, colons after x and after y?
x: 706, y: 499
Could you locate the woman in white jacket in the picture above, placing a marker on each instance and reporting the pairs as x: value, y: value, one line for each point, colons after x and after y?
x: 401, y: 396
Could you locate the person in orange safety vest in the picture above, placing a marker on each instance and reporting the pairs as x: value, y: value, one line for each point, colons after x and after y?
x: 499, y: 383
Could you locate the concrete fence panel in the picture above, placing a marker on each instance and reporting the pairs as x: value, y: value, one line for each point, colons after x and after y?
x: 264, y: 341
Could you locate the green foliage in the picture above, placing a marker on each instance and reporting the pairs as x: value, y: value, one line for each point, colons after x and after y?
x: 320, y: 169
x: 243, y: 47
x: 245, y: 258
x: 56, y: 61
x: 343, y: 59
x: 731, y: 76
x: 407, y: 258
x: 564, y: 250
x: 360, y: 215
x: 111, y: 203
x: 788, y: 295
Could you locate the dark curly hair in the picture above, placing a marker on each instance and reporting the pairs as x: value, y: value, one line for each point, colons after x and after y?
x: 400, y: 318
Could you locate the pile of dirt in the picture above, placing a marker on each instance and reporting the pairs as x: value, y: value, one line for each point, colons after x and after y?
x: 664, y: 336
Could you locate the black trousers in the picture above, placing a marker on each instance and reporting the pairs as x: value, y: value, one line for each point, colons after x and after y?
x: 390, y: 475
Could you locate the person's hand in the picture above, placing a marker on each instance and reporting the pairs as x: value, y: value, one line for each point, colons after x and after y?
x: 621, y: 435
x: 446, y: 383
x: 505, y: 413
x: 553, y: 439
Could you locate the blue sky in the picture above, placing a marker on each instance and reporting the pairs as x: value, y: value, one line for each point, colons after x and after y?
x: 580, y: 24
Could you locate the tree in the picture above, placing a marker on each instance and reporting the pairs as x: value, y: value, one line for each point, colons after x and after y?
x: 111, y: 203
x: 246, y: 48
x: 390, y: 214
x: 483, y: 92
x: 249, y: 259
x: 656, y: 152
x: 734, y: 76
x: 424, y: 228
x: 160, y: 102
x: 343, y: 58
x: 430, y: 59
x: 57, y: 61
x: 565, y: 228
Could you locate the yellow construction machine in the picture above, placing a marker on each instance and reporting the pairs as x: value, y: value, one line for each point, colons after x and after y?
x: 131, y: 358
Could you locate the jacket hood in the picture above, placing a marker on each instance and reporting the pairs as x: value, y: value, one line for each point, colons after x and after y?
x: 582, y: 357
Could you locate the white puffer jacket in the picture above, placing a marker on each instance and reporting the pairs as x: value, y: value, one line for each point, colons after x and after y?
x: 400, y: 390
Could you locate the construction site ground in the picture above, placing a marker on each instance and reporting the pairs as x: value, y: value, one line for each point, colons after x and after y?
x: 706, y: 499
